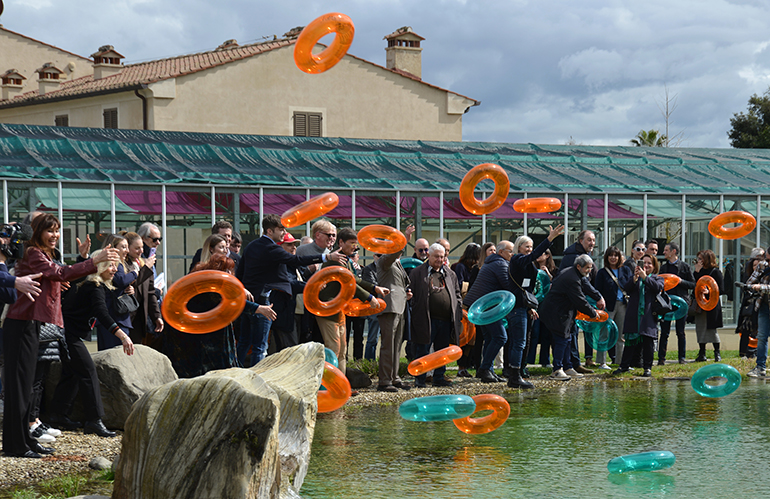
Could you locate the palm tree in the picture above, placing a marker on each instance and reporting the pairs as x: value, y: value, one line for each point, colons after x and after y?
x: 651, y: 138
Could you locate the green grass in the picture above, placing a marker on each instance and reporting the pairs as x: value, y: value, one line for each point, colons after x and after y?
x: 88, y: 483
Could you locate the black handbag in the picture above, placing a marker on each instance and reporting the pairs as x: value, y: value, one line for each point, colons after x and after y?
x: 126, y: 304
x: 529, y: 299
x: 661, y: 304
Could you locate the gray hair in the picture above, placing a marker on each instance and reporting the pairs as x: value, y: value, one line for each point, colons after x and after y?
x: 756, y: 252
x: 435, y: 247
x: 583, y: 260
x: 519, y: 241
x: 502, y: 245
x: 145, y: 229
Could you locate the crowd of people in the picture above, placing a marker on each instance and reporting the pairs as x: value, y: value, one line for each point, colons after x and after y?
x: 52, y: 308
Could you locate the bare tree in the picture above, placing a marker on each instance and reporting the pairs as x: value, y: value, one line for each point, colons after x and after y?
x: 667, y: 108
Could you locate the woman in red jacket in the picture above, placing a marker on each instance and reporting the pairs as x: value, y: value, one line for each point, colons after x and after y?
x: 22, y: 327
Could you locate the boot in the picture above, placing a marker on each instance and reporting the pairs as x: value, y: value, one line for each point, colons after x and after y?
x: 487, y: 376
x: 516, y: 381
x: 701, y: 353
x: 717, y: 356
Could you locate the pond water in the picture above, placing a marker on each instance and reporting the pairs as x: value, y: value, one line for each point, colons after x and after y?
x: 554, y: 444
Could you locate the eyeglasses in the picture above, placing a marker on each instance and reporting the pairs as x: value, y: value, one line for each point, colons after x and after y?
x: 156, y: 239
x: 423, y: 250
x: 330, y: 236
x: 639, y: 248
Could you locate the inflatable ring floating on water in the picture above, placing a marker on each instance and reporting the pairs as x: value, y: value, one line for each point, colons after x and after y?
x: 178, y: 316
x: 358, y: 308
x: 491, y: 307
x: 670, y: 281
x: 337, y: 389
x: 333, y: 22
x: 310, y: 209
x: 644, y: 461
x: 707, y: 284
x: 313, y: 303
x: 746, y: 220
x: 437, y: 408
x: 411, y: 263
x: 469, y: 331
x: 537, y: 205
x: 500, y: 412
x: 600, y: 335
x: 680, y: 309
x: 434, y: 360
x: 601, y: 316
x: 382, y: 239
x: 472, y: 179
x: 730, y: 373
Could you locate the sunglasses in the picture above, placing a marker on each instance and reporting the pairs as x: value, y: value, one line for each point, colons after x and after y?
x: 156, y: 239
x: 639, y: 248
x: 330, y: 236
x: 423, y: 250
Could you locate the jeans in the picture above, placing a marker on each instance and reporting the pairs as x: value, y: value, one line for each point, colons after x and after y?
x: 494, y: 338
x: 763, y: 329
x: 517, y: 332
x: 440, y: 331
x: 574, y: 352
x: 561, y: 351
x: 370, y: 351
x: 255, y: 331
x: 665, y: 330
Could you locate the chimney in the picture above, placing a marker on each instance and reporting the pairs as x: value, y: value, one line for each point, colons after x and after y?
x: 106, y: 62
x: 49, y: 78
x: 403, y: 52
x: 11, y: 83
x: 228, y: 44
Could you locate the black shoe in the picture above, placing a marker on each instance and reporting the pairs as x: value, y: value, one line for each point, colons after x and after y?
x: 647, y: 373
x: 701, y: 358
x: 506, y: 372
x: 500, y: 379
x: 516, y: 381
x: 42, y: 450
x: 620, y: 371
x: 717, y: 357
x: 29, y: 454
x: 682, y: 360
x: 63, y: 422
x: 403, y: 386
x: 463, y: 373
x: 387, y: 388
x: 487, y: 376
x: 661, y: 362
x: 418, y: 384
x: 441, y: 382
x: 96, y: 426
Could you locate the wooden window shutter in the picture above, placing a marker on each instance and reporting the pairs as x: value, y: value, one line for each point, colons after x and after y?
x: 62, y: 120
x: 111, y: 118
x: 300, y: 124
x: 307, y: 124
x: 314, y: 125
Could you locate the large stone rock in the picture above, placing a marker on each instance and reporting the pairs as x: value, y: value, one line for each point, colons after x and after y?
x: 124, y: 379
x: 358, y: 379
x: 295, y: 375
x: 215, y: 436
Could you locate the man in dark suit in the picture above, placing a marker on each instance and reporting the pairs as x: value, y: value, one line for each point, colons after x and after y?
x: 436, y: 310
x: 262, y: 270
x: 557, y: 311
x: 678, y: 267
x: 224, y: 229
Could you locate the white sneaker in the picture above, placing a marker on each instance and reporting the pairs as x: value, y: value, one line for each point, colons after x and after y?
x: 573, y: 373
x: 560, y: 375
x: 40, y: 435
x: 604, y: 366
x: 54, y: 432
x: 756, y: 373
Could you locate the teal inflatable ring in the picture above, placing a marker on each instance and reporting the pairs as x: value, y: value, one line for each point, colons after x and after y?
x: 644, y: 461
x: 411, y: 263
x: 437, y: 408
x: 680, y: 309
x: 491, y: 307
x: 730, y: 373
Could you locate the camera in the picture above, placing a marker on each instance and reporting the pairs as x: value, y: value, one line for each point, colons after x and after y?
x: 16, y: 235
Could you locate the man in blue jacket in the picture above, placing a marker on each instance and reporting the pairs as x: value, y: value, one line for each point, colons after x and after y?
x: 262, y: 270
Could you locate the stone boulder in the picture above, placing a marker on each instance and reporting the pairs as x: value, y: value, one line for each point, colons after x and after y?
x: 295, y: 375
x: 124, y: 379
x: 357, y: 378
x: 214, y: 436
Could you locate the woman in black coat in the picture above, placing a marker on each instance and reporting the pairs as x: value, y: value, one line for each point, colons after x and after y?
x: 641, y: 325
x: 86, y: 301
x: 609, y: 282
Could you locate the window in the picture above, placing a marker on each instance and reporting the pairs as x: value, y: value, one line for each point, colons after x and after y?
x: 62, y: 120
x: 307, y: 124
x: 111, y: 118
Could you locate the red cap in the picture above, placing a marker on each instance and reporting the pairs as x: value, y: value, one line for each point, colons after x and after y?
x: 288, y: 238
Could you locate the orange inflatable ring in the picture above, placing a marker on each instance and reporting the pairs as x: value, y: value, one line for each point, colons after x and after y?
x: 707, y: 285
x: 177, y: 315
x: 334, y: 22
x: 746, y: 220
x: 472, y: 179
x: 752, y: 341
x: 469, y: 330
x: 381, y: 239
x: 317, y: 281
x: 600, y: 317
x: 500, y: 412
x: 358, y: 308
x: 537, y: 205
x: 434, y: 360
x: 670, y: 281
x: 337, y: 389
x: 310, y: 209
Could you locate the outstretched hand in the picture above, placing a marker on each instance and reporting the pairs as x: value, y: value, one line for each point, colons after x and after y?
x: 84, y: 247
x: 555, y: 232
x: 28, y: 285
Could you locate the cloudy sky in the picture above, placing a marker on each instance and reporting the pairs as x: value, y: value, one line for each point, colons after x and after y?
x: 545, y: 71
